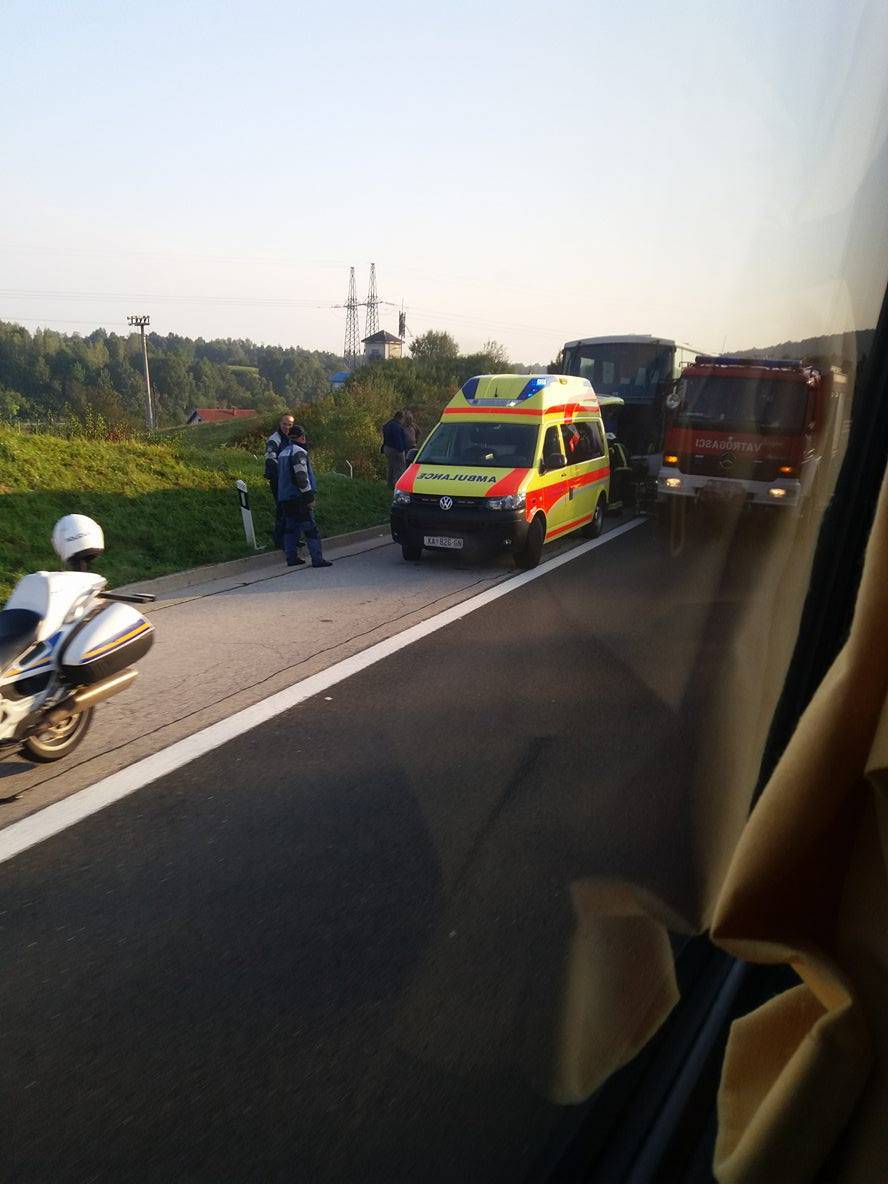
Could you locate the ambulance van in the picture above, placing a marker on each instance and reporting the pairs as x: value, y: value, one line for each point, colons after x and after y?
x: 514, y: 462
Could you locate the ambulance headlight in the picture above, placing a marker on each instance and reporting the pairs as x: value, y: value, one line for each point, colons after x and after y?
x: 511, y: 501
x: 401, y: 498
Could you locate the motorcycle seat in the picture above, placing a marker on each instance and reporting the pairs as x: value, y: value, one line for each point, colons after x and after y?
x: 18, y: 628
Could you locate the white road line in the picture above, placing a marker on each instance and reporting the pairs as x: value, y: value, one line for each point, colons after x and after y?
x: 19, y: 836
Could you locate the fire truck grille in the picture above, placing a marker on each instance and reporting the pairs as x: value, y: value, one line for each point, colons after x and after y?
x: 729, y: 464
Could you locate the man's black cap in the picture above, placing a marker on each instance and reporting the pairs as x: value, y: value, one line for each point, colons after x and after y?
x: 296, y: 431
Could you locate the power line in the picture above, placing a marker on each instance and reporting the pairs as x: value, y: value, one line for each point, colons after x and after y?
x: 233, y: 301
x: 12, y: 318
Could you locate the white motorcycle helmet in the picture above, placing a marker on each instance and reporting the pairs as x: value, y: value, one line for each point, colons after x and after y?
x: 76, y: 540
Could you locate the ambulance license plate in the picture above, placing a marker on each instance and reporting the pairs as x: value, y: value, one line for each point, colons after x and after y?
x: 442, y: 540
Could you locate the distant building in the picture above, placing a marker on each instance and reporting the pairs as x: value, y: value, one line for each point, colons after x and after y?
x: 218, y: 414
x: 337, y: 380
x: 382, y: 345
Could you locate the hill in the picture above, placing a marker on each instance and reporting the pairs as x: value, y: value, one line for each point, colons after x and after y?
x: 837, y: 349
x: 163, y: 506
x: 48, y: 375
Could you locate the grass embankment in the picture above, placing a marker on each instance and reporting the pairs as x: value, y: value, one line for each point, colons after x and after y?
x: 230, y: 433
x: 163, y: 506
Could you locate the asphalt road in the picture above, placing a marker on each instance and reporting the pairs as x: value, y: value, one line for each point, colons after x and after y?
x: 334, y: 948
x: 235, y: 638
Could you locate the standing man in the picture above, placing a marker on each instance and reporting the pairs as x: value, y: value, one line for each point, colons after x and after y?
x: 411, y: 434
x: 394, y: 447
x: 296, y: 487
x: 273, y: 446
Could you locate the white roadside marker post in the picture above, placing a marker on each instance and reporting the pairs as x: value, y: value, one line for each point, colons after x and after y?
x: 247, y: 514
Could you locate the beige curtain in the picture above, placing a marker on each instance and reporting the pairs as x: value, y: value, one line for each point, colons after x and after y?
x: 804, y: 1090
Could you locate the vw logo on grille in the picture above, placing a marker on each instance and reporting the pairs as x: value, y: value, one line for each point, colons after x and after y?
x: 446, y: 503
x: 727, y: 461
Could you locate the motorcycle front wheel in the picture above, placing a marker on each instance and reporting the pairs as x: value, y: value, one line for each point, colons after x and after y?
x: 57, y: 741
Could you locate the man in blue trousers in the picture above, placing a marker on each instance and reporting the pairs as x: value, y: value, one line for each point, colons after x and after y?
x: 297, y: 487
x: 273, y: 445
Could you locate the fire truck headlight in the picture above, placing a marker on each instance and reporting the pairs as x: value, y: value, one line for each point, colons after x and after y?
x: 672, y: 482
x: 777, y: 493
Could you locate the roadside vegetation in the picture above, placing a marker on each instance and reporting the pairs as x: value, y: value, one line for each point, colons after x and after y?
x: 46, y: 376
x: 71, y: 440
x: 163, y: 506
x: 344, y: 425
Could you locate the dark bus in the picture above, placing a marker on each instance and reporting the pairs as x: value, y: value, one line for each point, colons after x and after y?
x: 641, y: 370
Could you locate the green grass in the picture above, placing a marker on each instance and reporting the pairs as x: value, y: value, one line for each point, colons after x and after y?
x: 163, y: 506
x: 220, y: 435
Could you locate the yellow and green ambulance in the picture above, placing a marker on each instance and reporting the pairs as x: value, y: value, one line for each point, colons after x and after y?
x: 514, y: 462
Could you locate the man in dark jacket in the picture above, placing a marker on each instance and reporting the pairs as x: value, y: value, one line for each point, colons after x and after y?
x: 394, y: 447
x: 297, y: 486
x: 273, y: 445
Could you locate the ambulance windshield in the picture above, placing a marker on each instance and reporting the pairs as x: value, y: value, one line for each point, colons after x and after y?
x: 481, y: 445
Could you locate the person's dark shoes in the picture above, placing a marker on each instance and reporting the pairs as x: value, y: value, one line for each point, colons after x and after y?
x: 297, y: 562
x: 322, y: 563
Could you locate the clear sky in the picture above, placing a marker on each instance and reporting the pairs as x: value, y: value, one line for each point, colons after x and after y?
x: 714, y: 171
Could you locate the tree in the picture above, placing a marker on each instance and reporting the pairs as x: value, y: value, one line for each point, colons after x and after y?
x: 497, y: 355
x: 435, y: 345
x: 11, y: 403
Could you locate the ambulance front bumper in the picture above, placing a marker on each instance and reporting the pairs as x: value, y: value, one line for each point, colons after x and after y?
x: 480, y: 528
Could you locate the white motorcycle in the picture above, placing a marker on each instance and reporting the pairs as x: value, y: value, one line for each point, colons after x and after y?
x: 65, y: 645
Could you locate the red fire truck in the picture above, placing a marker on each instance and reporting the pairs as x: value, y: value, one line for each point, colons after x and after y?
x: 751, y: 432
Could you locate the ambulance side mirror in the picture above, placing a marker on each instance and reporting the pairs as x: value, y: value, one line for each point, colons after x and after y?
x: 555, y: 460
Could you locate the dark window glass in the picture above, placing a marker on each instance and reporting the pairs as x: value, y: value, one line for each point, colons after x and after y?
x: 481, y: 445
x: 744, y: 404
x: 552, y: 443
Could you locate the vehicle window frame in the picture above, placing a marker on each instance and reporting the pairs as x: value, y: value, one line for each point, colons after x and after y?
x: 587, y: 436
x: 552, y: 427
x: 450, y: 433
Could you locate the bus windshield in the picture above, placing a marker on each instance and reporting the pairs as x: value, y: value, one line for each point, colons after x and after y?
x: 743, y: 404
x: 632, y: 370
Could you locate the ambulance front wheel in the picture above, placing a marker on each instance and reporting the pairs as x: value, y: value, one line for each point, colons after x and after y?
x: 593, y: 529
x: 532, y: 551
x: 411, y: 551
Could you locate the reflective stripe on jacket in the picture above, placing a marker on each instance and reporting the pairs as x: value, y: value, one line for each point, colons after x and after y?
x: 273, y: 445
x: 295, y: 474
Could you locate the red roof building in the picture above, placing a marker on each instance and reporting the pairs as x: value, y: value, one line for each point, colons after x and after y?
x: 218, y: 414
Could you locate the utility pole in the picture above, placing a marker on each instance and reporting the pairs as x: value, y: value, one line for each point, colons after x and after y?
x: 372, y: 321
x: 140, y: 322
x: 351, y: 324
